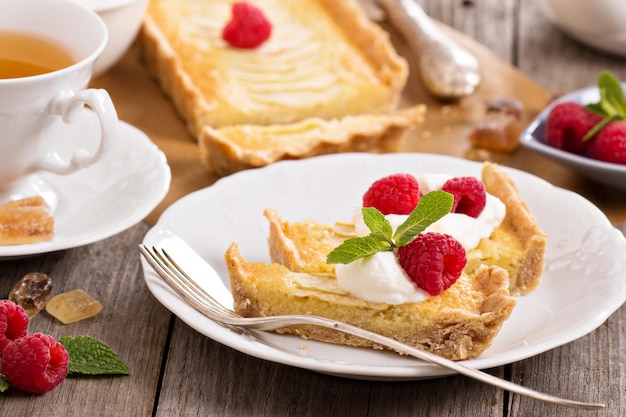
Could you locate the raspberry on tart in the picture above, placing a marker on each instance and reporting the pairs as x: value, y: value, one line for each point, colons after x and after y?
x: 248, y: 27
x: 434, y: 261
x: 393, y: 194
x: 469, y: 194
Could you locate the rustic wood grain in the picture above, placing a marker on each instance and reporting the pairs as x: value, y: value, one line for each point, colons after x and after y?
x: 132, y: 323
x: 233, y: 384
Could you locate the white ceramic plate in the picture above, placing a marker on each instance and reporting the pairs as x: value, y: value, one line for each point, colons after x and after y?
x: 533, y: 138
x: 584, y: 280
x: 102, y: 200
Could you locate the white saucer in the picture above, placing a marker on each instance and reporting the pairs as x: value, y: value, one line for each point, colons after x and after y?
x: 102, y: 200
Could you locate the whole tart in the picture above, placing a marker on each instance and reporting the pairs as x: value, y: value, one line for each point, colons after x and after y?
x: 324, y: 59
x: 327, y: 80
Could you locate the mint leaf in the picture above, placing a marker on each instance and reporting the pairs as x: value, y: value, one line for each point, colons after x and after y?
x: 611, y: 106
x: 611, y: 95
x: 595, y: 108
x: 89, y: 356
x: 377, y: 223
x: 430, y: 208
x: 357, y: 248
x: 4, y: 384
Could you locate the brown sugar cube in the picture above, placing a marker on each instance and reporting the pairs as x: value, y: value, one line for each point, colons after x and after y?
x: 73, y: 306
x: 497, y: 132
x: 501, y: 126
x: 32, y: 292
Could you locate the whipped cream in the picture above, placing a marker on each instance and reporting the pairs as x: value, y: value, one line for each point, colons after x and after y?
x: 380, y: 278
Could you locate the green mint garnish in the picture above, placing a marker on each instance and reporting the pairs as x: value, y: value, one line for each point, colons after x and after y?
x: 89, y: 356
x: 4, y: 384
x: 611, y: 105
x: 430, y: 208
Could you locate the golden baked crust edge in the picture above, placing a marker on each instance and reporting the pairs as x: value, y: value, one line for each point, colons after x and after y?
x: 521, y: 222
x: 239, y: 147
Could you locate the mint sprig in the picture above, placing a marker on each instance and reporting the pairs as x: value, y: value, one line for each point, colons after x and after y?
x: 430, y: 208
x: 89, y: 356
x: 611, y: 106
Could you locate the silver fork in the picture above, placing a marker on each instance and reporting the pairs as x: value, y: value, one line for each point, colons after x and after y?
x: 190, y: 291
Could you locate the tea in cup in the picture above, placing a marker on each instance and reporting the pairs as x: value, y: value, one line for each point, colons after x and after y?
x: 47, y: 53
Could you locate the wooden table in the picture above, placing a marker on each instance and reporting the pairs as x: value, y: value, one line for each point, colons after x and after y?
x: 176, y: 371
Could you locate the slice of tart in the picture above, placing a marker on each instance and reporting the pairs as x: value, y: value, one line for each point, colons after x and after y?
x: 458, y: 324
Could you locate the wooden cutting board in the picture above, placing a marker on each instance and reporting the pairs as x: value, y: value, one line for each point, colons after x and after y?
x: 140, y: 102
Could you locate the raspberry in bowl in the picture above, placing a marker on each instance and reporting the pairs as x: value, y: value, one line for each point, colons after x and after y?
x: 558, y: 132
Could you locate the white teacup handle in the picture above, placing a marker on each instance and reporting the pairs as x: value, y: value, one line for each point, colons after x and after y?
x: 69, y: 105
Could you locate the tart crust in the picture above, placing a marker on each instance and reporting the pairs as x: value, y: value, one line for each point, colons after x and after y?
x: 518, y: 244
x: 235, y: 148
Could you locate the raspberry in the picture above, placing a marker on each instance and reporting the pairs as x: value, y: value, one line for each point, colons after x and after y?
x: 566, y: 125
x: 248, y: 27
x: 13, y: 322
x: 609, y: 144
x: 434, y: 261
x: 469, y: 194
x: 35, y: 363
x: 393, y: 194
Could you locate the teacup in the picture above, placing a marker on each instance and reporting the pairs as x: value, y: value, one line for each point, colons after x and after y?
x: 47, y: 53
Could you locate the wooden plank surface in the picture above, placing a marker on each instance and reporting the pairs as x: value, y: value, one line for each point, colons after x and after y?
x: 132, y: 323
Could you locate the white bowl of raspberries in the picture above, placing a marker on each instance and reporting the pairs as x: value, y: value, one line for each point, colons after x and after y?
x: 586, y: 130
